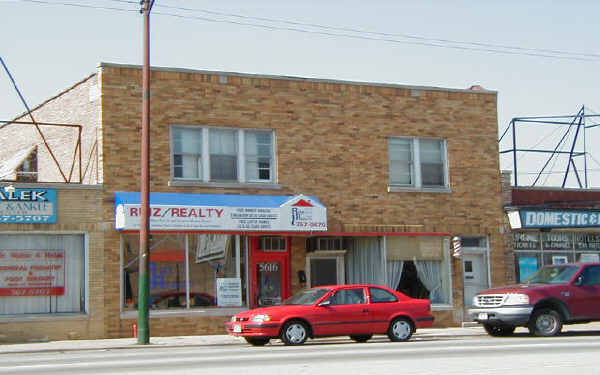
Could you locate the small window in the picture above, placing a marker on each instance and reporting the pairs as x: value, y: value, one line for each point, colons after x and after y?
x: 591, y: 276
x: 223, y: 155
x: 379, y: 295
x: 468, y: 266
x: 348, y: 297
x: 273, y: 244
x: 418, y: 162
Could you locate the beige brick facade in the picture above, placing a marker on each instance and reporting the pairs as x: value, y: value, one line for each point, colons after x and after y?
x: 332, y: 143
x: 78, y: 210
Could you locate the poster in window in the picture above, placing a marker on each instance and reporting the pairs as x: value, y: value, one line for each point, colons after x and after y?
x: 589, y: 257
x: 211, y: 247
x: 229, y: 292
x: 527, y: 266
x: 559, y: 259
x: 32, y: 273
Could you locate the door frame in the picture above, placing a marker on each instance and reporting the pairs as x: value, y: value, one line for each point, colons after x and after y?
x: 338, y: 255
x: 259, y: 256
x: 485, y: 253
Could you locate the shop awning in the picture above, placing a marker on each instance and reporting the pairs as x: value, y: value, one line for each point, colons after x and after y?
x: 222, y: 212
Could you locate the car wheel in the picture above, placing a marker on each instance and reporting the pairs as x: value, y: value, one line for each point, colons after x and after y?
x: 545, y: 322
x: 401, y: 329
x: 257, y: 341
x: 499, y: 331
x: 361, y: 338
x: 294, y: 332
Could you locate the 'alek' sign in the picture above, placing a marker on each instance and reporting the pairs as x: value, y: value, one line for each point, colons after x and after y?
x: 298, y: 213
x: 28, y: 206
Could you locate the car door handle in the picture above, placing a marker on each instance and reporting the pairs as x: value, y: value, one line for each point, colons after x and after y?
x: 365, y: 310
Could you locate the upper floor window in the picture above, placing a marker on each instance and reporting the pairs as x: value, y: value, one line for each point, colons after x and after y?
x: 222, y: 154
x: 418, y: 162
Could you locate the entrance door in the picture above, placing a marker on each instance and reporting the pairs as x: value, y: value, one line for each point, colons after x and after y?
x: 269, y: 271
x: 475, y: 276
x: 325, y: 268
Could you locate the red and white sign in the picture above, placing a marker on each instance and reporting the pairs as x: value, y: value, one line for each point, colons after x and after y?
x: 32, y: 273
x: 300, y: 213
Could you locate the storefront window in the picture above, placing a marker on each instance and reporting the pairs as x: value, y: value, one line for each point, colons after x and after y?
x: 414, y: 265
x: 186, y: 271
x: 555, y: 247
x: 42, y: 274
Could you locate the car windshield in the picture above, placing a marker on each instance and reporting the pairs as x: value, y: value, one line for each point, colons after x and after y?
x: 552, y: 275
x: 306, y: 297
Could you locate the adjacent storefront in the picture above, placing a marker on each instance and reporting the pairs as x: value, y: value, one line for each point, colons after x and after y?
x: 215, y: 251
x: 553, y: 236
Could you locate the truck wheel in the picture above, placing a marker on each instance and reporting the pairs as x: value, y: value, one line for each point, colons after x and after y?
x: 499, y: 331
x: 545, y: 322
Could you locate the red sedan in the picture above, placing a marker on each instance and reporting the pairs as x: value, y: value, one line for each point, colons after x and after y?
x: 355, y: 310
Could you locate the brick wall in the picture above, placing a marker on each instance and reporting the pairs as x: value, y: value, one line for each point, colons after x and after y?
x: 78, y: 105
x: 331, y: 143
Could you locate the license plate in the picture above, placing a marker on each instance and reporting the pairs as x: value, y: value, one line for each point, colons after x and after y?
x: 482, y: 316
x: 237, y: 328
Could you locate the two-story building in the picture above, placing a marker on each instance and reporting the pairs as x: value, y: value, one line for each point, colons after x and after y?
x: 261, y: 186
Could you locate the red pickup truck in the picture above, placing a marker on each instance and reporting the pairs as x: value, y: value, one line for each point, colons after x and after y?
x: 553, y: 296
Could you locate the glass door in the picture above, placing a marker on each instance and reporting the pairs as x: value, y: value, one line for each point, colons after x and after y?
x: 269, y: 270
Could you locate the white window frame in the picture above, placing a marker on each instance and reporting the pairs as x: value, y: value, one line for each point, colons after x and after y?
x: 86, y: 282
x: 416, y: 175
x: 242, y: 180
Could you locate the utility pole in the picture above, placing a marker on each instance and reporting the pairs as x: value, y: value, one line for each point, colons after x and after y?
x: 144, y: 256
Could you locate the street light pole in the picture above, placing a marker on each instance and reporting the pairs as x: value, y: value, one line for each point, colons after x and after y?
x: 144, y: 256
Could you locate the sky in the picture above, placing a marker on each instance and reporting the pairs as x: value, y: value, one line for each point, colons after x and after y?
x: 541, y: 56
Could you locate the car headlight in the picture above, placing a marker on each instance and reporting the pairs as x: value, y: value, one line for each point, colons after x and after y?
x: 233, y: 318
x: 516, y: 299
x: 475, y: 301
x: 261, y: 318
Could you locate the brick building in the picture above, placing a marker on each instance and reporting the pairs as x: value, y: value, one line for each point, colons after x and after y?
x: 262, y: 185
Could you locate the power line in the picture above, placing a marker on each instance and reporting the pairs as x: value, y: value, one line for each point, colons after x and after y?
x: 360, y: 31
x: 42, y: 2
x: 422, y: 41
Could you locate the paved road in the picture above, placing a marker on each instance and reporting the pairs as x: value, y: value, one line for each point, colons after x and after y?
x: 570, y: 354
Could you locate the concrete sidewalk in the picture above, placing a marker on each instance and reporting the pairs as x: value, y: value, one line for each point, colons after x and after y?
x: 470, y: 330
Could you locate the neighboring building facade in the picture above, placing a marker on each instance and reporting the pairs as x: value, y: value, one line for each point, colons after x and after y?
x: 264, y: 185
x: 550, y: 226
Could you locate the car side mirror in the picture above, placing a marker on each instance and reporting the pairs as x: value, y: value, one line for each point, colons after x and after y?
x: 324, y: 303
x: 578, y: 281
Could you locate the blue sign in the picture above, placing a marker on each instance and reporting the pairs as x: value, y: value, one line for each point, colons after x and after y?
x: 28, y: 206
x: 559, y: 219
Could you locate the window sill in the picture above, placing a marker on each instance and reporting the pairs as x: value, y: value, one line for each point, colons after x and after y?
x: 223, y: 311
x: 43, y: 317
x: 406, y: 189
x: 230, y: 185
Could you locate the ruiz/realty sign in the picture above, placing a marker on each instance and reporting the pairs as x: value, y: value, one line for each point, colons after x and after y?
x: 215, y: 212
x: 28, y: 206
x: 554, y: 219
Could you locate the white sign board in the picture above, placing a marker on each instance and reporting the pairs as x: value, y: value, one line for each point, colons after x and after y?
x: 299, y: 214
x: 229, y: 292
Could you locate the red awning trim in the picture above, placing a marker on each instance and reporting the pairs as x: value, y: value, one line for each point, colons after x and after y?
x: 302, y: 234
